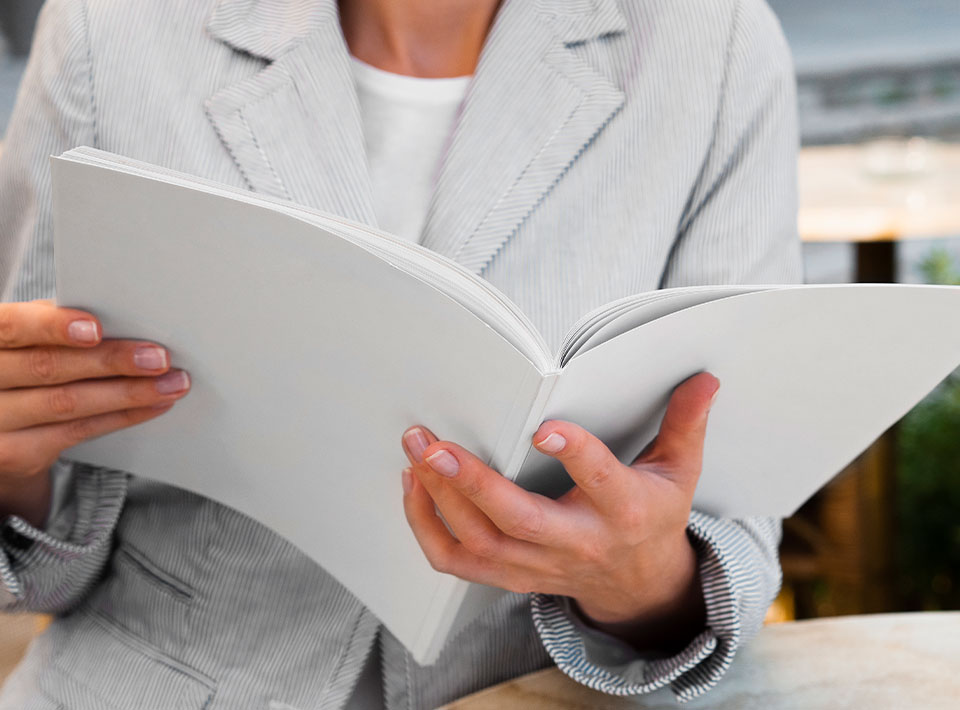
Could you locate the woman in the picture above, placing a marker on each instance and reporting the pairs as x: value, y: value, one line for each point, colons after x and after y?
x: 599, y: 149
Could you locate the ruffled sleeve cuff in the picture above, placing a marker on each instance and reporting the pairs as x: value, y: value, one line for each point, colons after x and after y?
x: 50, y: 569
x: 733, y: 573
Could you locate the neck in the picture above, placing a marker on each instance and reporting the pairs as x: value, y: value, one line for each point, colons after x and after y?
x: 425, y: 38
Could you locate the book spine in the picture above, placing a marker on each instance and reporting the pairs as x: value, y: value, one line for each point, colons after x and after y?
x: 461, y: 602
x: 521, y: 443
x: 514, y: 421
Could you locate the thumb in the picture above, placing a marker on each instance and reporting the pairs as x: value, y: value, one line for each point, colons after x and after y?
x: 679, y: 444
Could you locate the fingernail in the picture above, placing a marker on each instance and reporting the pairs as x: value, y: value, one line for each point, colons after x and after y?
x: 715, y: 393
x: 83, y: 331
x: 416, y: 442
x: 444, y: 463
x: 173, y: 382
x: 150, y: 357
x: 552, y: 444
x: 406, y: 479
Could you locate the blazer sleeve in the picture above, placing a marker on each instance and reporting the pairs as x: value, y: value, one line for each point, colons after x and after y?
x: 740, y: 226
x: 50, y: 569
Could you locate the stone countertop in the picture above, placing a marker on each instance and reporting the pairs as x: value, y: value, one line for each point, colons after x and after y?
x: 872, y: 662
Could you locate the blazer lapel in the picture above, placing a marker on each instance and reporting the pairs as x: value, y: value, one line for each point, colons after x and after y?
x: 294, y: 128
x: 531, y: 110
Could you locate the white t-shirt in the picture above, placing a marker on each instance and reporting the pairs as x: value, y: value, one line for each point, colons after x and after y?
x: 407, y: 122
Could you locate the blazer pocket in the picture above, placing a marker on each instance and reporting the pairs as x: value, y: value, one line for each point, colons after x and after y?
x: 129, y: 557
x: 41, y: 702
x: 100, y: 666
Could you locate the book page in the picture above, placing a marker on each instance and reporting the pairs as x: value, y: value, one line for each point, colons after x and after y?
x: 469, y: 290
x: 810, y: 376
x: 309, y: 356
x: 635, y: 311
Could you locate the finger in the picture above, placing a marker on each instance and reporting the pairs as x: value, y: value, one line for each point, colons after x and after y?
x: 475, y: 531
x: 680, y: 440
x: 446, y: 554
x: 415, y: 441
x: 519, y: 514
x: 40, y: 323
x: 591, y: 465
x: 466, y: 524
x: 55, y: 364
x: 22, y: 449
x: 22, y: 408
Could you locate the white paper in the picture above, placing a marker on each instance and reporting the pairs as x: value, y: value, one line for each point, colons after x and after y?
x: 313, y: 343
x: 810, y: 376
x: 308, y: 356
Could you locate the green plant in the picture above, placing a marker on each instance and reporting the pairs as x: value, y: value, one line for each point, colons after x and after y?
x: 928, y: 486
x: 939, y: 268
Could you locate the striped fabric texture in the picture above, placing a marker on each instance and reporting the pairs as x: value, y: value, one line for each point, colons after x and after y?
x: 604, y: 148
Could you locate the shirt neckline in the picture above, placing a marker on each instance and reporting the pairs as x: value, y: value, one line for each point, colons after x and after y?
x: 409, y: 88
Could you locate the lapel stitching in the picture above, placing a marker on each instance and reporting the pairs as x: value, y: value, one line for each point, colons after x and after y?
x: 294, y: 129
x: 225, y: 110
x: 597, y: 106
x: 498, y: 171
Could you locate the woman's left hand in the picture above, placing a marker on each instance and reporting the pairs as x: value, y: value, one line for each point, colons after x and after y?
x: 616, y: 543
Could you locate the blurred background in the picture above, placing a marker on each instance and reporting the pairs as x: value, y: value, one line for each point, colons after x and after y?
x: 879, y: 98
x: 879, y: 95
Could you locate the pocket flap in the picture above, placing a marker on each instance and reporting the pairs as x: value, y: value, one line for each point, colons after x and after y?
x: 99, y: 665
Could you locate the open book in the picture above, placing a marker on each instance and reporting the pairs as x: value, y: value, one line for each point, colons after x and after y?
x: 313, y: 343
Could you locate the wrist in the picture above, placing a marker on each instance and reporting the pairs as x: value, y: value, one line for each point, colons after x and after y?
x: 663, y: 612
x: 27, y: 498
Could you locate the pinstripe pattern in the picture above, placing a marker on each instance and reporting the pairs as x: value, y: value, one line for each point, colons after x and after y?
x: 606, y: 147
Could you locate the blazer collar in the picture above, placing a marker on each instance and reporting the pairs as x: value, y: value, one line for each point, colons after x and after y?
x: 294, y: 128
x: 267, y: 28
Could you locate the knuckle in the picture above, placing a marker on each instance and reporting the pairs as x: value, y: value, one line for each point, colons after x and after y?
x: 138, y: 392
x: 129, y: 417
x: 471, y: 487
x: 481, y: 544
x: 528, y: 527
x: 61, y: 401
x: 8, y: 327
x: 79, y: 430
x: 440, y: 561
x: 590, y: 550
x: 43, y: 364
x: 19, y: 470
x: 7, y: 457
x: 596, y: 477
x: 17, y: 463
x: 633, y: 517
x: 110, y: 358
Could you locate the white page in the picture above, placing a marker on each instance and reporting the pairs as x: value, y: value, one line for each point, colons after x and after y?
x: 632, y: 316
x: 469, y: 290
x: 810, y: 376
x: 309, y: 357
x: 595, y: 320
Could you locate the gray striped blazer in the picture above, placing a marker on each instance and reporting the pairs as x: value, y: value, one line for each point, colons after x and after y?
x: 604, y: 148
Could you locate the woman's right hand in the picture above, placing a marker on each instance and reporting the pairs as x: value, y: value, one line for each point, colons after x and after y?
x: 61, y: 384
